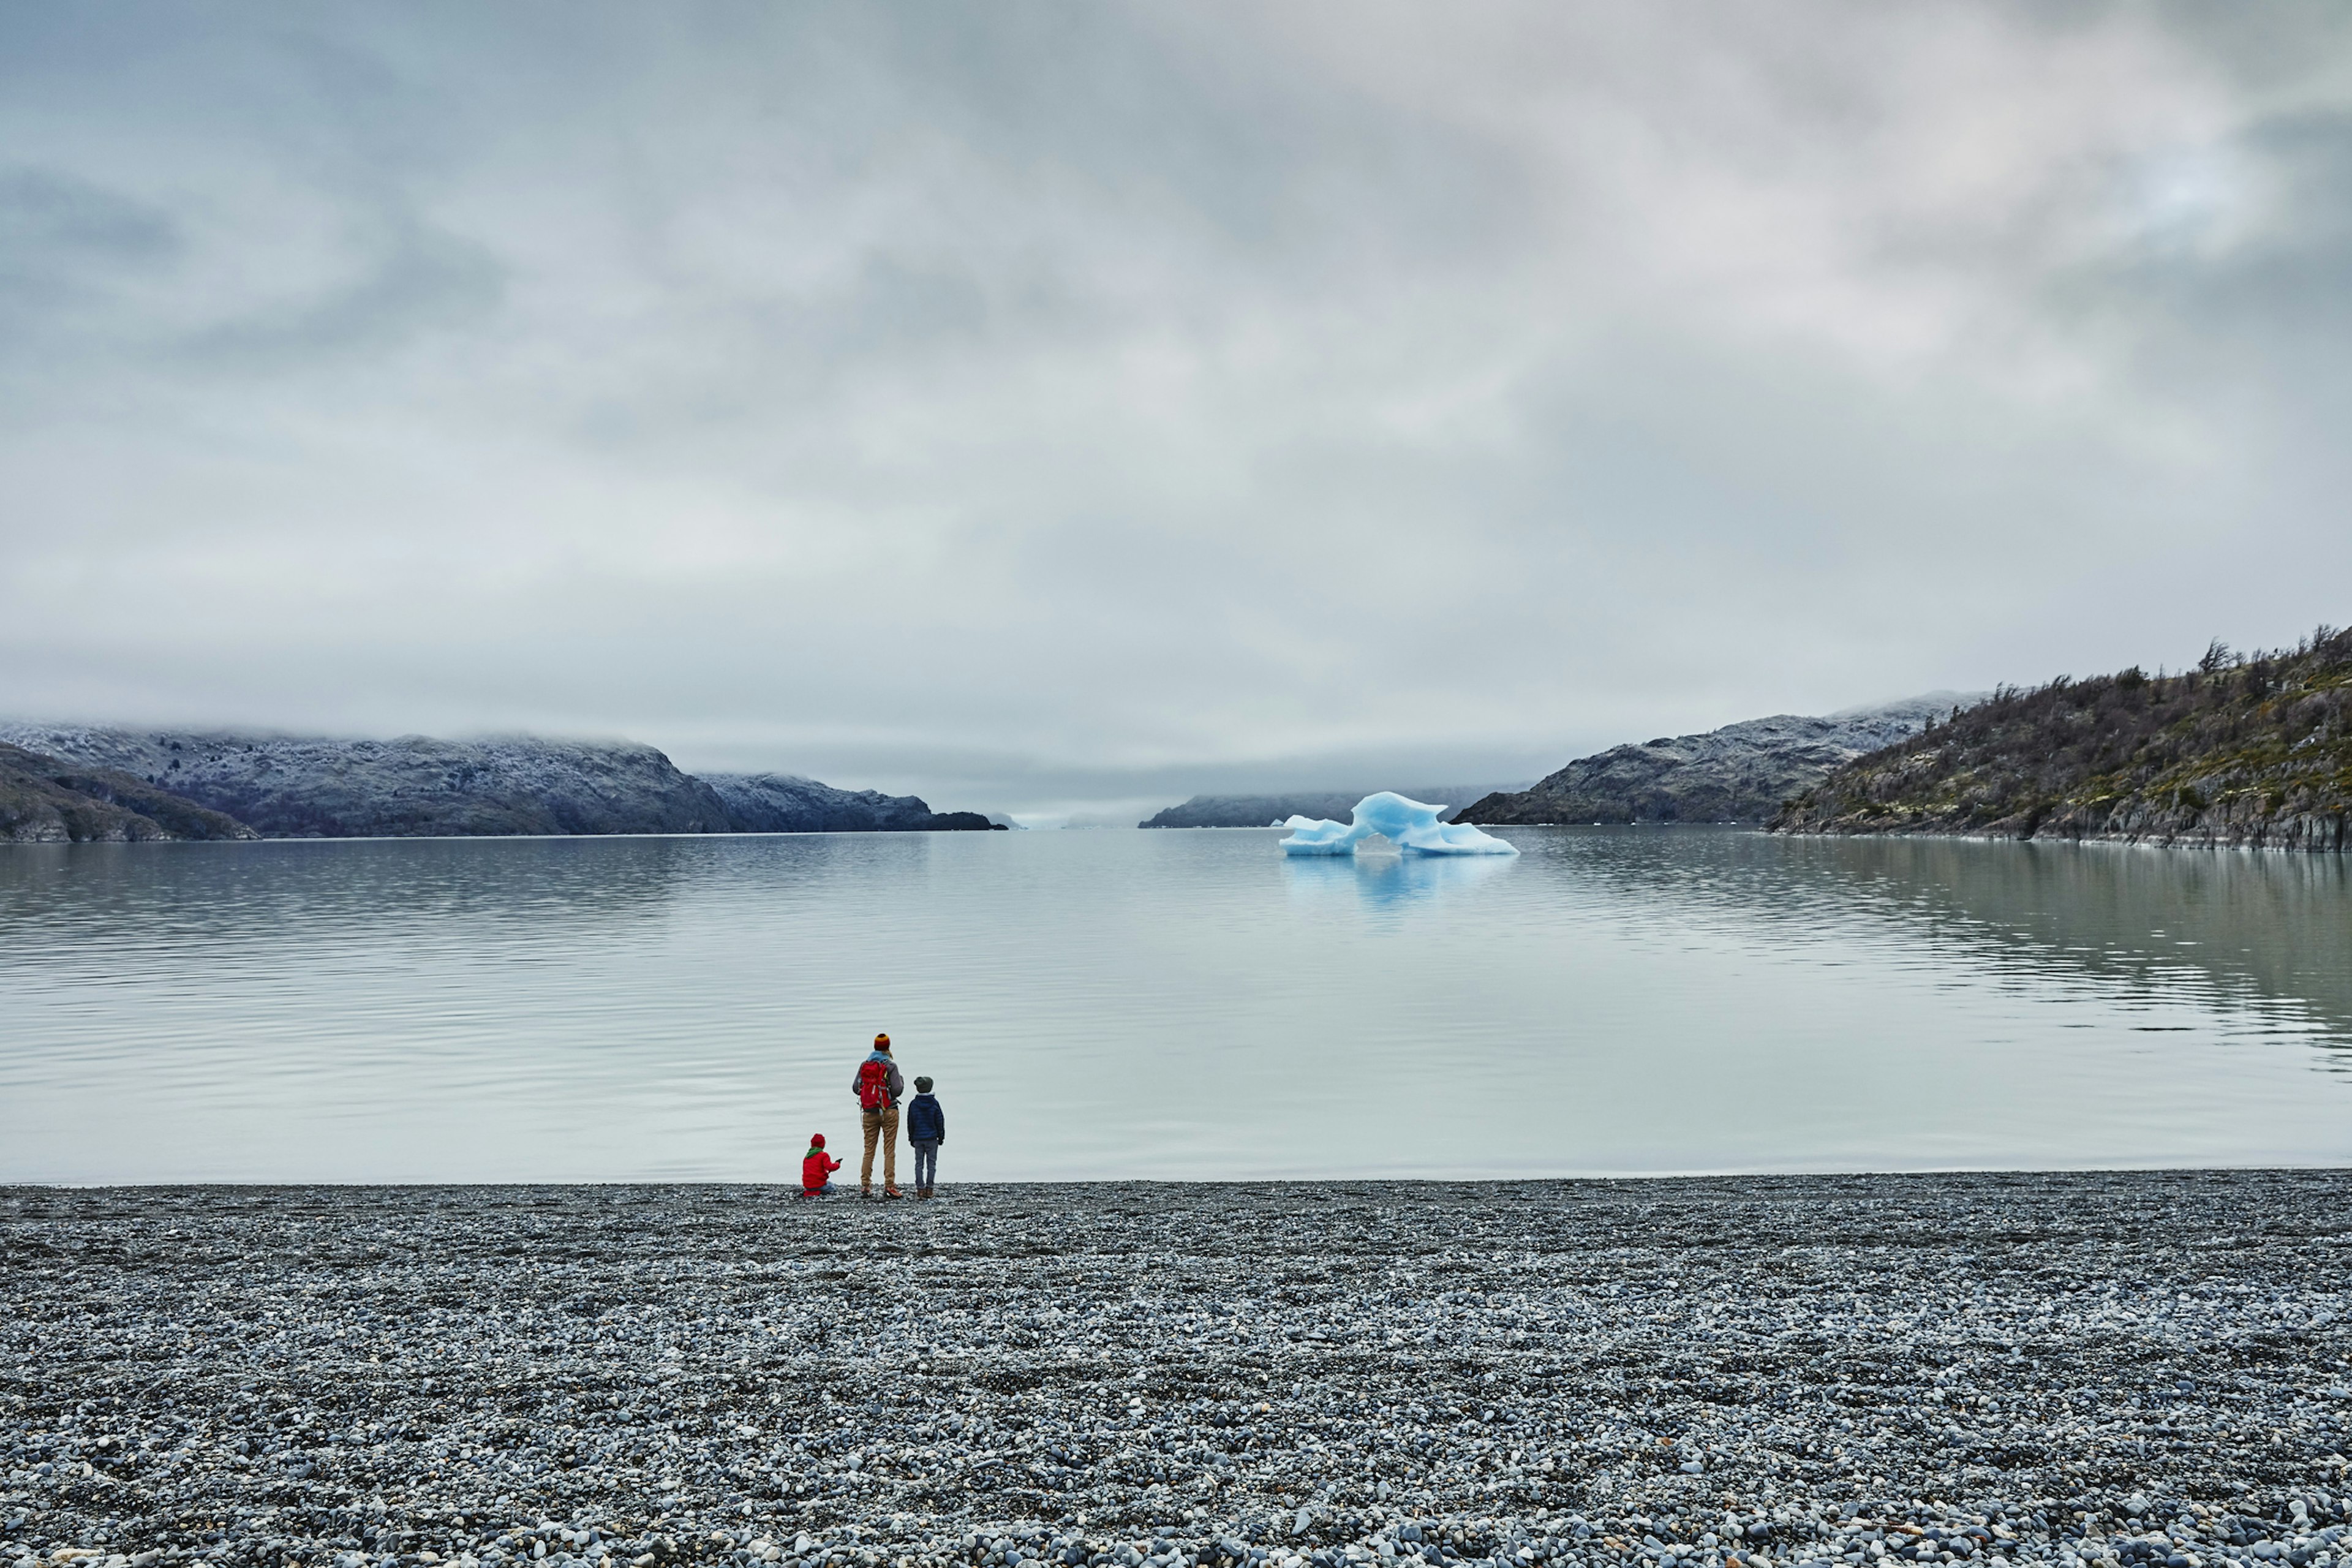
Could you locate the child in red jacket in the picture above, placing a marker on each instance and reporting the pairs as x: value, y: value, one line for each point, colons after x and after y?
x: 817, y: 1169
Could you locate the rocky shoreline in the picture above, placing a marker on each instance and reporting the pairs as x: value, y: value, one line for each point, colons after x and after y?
x: 2133, y: 1368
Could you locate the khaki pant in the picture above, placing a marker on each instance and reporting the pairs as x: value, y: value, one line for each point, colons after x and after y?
x: 883, y: 1125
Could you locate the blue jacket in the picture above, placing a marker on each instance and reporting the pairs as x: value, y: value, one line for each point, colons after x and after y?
x: 926, y: 1122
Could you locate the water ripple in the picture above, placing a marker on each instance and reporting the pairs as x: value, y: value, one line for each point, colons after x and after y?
x: 1166, y: 1004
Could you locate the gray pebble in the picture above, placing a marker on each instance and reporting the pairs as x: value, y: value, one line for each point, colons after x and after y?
x: 2131, y: 1368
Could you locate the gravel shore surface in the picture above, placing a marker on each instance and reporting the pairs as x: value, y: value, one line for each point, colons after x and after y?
x: 2146, y: 1368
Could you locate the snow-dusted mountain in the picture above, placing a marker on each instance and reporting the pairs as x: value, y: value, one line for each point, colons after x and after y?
x: 310, y: 787
x: 287, y: 787
x: 1258, y: 810
x: 786, y: 802
x: 1740, y: 772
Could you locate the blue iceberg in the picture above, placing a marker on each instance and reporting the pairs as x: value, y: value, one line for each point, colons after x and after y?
x: 1411, y: 826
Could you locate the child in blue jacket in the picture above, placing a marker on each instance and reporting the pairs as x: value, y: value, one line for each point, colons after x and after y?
x: 926, y: 1128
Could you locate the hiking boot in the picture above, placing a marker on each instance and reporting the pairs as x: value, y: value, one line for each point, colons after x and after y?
x: 865, y: 1191
x: 891, y: 1193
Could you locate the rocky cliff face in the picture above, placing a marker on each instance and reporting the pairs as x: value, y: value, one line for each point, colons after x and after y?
x: 1742, y: 772
x: 50, y: 800
x: 2247, y: 753
x: 783, y: 803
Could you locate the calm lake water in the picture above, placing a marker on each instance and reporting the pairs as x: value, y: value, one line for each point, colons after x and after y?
x: 1186, y: 1005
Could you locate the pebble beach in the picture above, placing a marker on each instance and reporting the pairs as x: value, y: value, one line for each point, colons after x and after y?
x: 2104, y: 1368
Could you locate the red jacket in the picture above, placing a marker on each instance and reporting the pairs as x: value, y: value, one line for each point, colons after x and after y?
x: 815, y: 1169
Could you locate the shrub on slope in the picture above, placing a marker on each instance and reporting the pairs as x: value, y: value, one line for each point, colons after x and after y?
x: 2239, y: 751
x: 46, y: 799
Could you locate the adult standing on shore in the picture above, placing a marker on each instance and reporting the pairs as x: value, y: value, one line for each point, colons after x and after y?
x: 878, y: 1088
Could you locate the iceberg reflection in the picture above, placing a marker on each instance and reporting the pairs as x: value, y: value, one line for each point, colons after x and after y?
x: 1386, y: 881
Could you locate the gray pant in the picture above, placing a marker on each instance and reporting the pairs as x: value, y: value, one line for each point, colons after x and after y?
x: 927, y: 1161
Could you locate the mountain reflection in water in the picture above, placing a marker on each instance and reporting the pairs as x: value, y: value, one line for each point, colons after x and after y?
x: 2140, y: 920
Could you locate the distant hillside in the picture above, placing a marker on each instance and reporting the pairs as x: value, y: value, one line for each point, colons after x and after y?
x: 49, y: 800
x: 1740, y: 772
x: 785, y: 802
x: 2247, y: 751
x: 309, y: 787
x: 1259, y: 810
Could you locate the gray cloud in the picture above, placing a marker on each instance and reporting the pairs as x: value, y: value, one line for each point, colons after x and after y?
x: 403, y: 280
x: 63, y: 244
x: 1039, y: 402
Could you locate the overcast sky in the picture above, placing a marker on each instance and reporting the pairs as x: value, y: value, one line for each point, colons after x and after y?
x: 1025, y: 404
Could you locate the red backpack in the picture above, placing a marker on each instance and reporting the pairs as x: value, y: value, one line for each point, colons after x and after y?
x: 873, y: 1086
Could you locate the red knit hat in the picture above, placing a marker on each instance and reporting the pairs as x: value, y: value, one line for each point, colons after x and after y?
x: 881, y: 1042
x: 817, y: 1142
